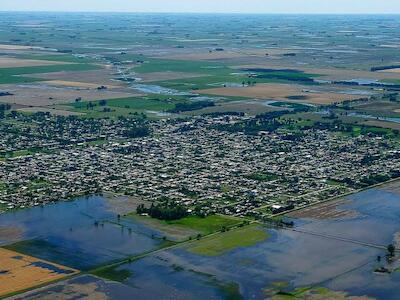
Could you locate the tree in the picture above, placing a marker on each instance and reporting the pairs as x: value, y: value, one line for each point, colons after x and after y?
x: 391, y: 249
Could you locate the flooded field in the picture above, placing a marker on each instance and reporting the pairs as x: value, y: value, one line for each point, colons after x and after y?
x: 331, y: 251
x: 80, y: 234
x: 372, y: 217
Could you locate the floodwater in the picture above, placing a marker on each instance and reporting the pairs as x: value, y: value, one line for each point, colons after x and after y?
x: 159, y: 90
x: 338, y: 254
x: 394, y: 120
x: 296, y: 259
x: 80, y: 234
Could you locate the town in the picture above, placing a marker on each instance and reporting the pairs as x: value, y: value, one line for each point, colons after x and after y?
x: 193, y: 163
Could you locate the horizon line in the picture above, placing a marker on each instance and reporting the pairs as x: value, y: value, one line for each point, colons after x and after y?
x: 204, y: 13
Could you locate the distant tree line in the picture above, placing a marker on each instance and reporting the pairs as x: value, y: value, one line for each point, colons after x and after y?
x: 189, y: 106
x: 269, y: 122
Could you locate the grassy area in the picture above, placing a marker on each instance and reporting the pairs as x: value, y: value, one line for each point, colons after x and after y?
x: 187, y: 227
x: 206, y: 225
x: 111, y: 273
x: 157, y: 103
x: 127, y: 106
x: 309, y: 293
x: 224, y: 76
x: 288, y: 105
x: 14, y: 154
x: 11, y: 75
x: 38, y: 184
x: 3, y: 186
x: 214, y: 74
x: 230, y: 290
x: 227, y: 241
x: 20, y: 153
x: 163, y: 65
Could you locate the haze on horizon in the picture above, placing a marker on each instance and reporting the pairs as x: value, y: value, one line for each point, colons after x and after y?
x: 209, y: 6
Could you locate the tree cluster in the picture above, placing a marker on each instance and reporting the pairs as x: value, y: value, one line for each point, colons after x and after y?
x: 163, y: 211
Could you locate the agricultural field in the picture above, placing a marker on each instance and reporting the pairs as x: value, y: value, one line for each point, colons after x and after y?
x: 284, y: 92
x: 19, y: 272
x: 189, y: 227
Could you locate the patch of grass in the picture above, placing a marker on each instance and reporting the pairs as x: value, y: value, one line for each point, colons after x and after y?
x: 159, y: 103
x: 231, y: 291
x: 187, y: 227
x: 162, y: 65
x: 206, y: 225
x: 288, y: 105
x: 24, y: 152
x: 111, y: 273
x: 38, y: 184
x: 230, y: 240
x: 334, y: 182
x: 127, y: 106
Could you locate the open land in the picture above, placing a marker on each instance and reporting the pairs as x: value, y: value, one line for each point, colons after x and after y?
x: 9, y: 62
x: 282, y: 92
x: 19, y: 272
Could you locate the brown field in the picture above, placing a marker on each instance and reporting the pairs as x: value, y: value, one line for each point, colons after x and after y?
x: 98, y: 77
x: 15, y: 47
x: 10, y: 62
x: 19, y: 272
x: 161, y: 76
x: 397, y: 70
x: 328, y: 210
x: 53, y: 111
x: 382, y: 124
x: 39, y: 94
x: 76, y: 84
x: 280, y: 92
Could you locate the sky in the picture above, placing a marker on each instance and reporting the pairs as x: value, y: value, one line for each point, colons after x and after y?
x: 208, y: 6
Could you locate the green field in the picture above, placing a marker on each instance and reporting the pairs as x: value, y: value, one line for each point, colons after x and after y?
x: 12, y: 75
x: 111, y: 273
x: 20, y: 153
x: 163, y: 65
x: 149, y: 105
x: 188, y: 227
x: 212, y: 74
x: 153, y: 106
x: 214, y: 80
x: 230, y: 240
x: 206, y: 225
